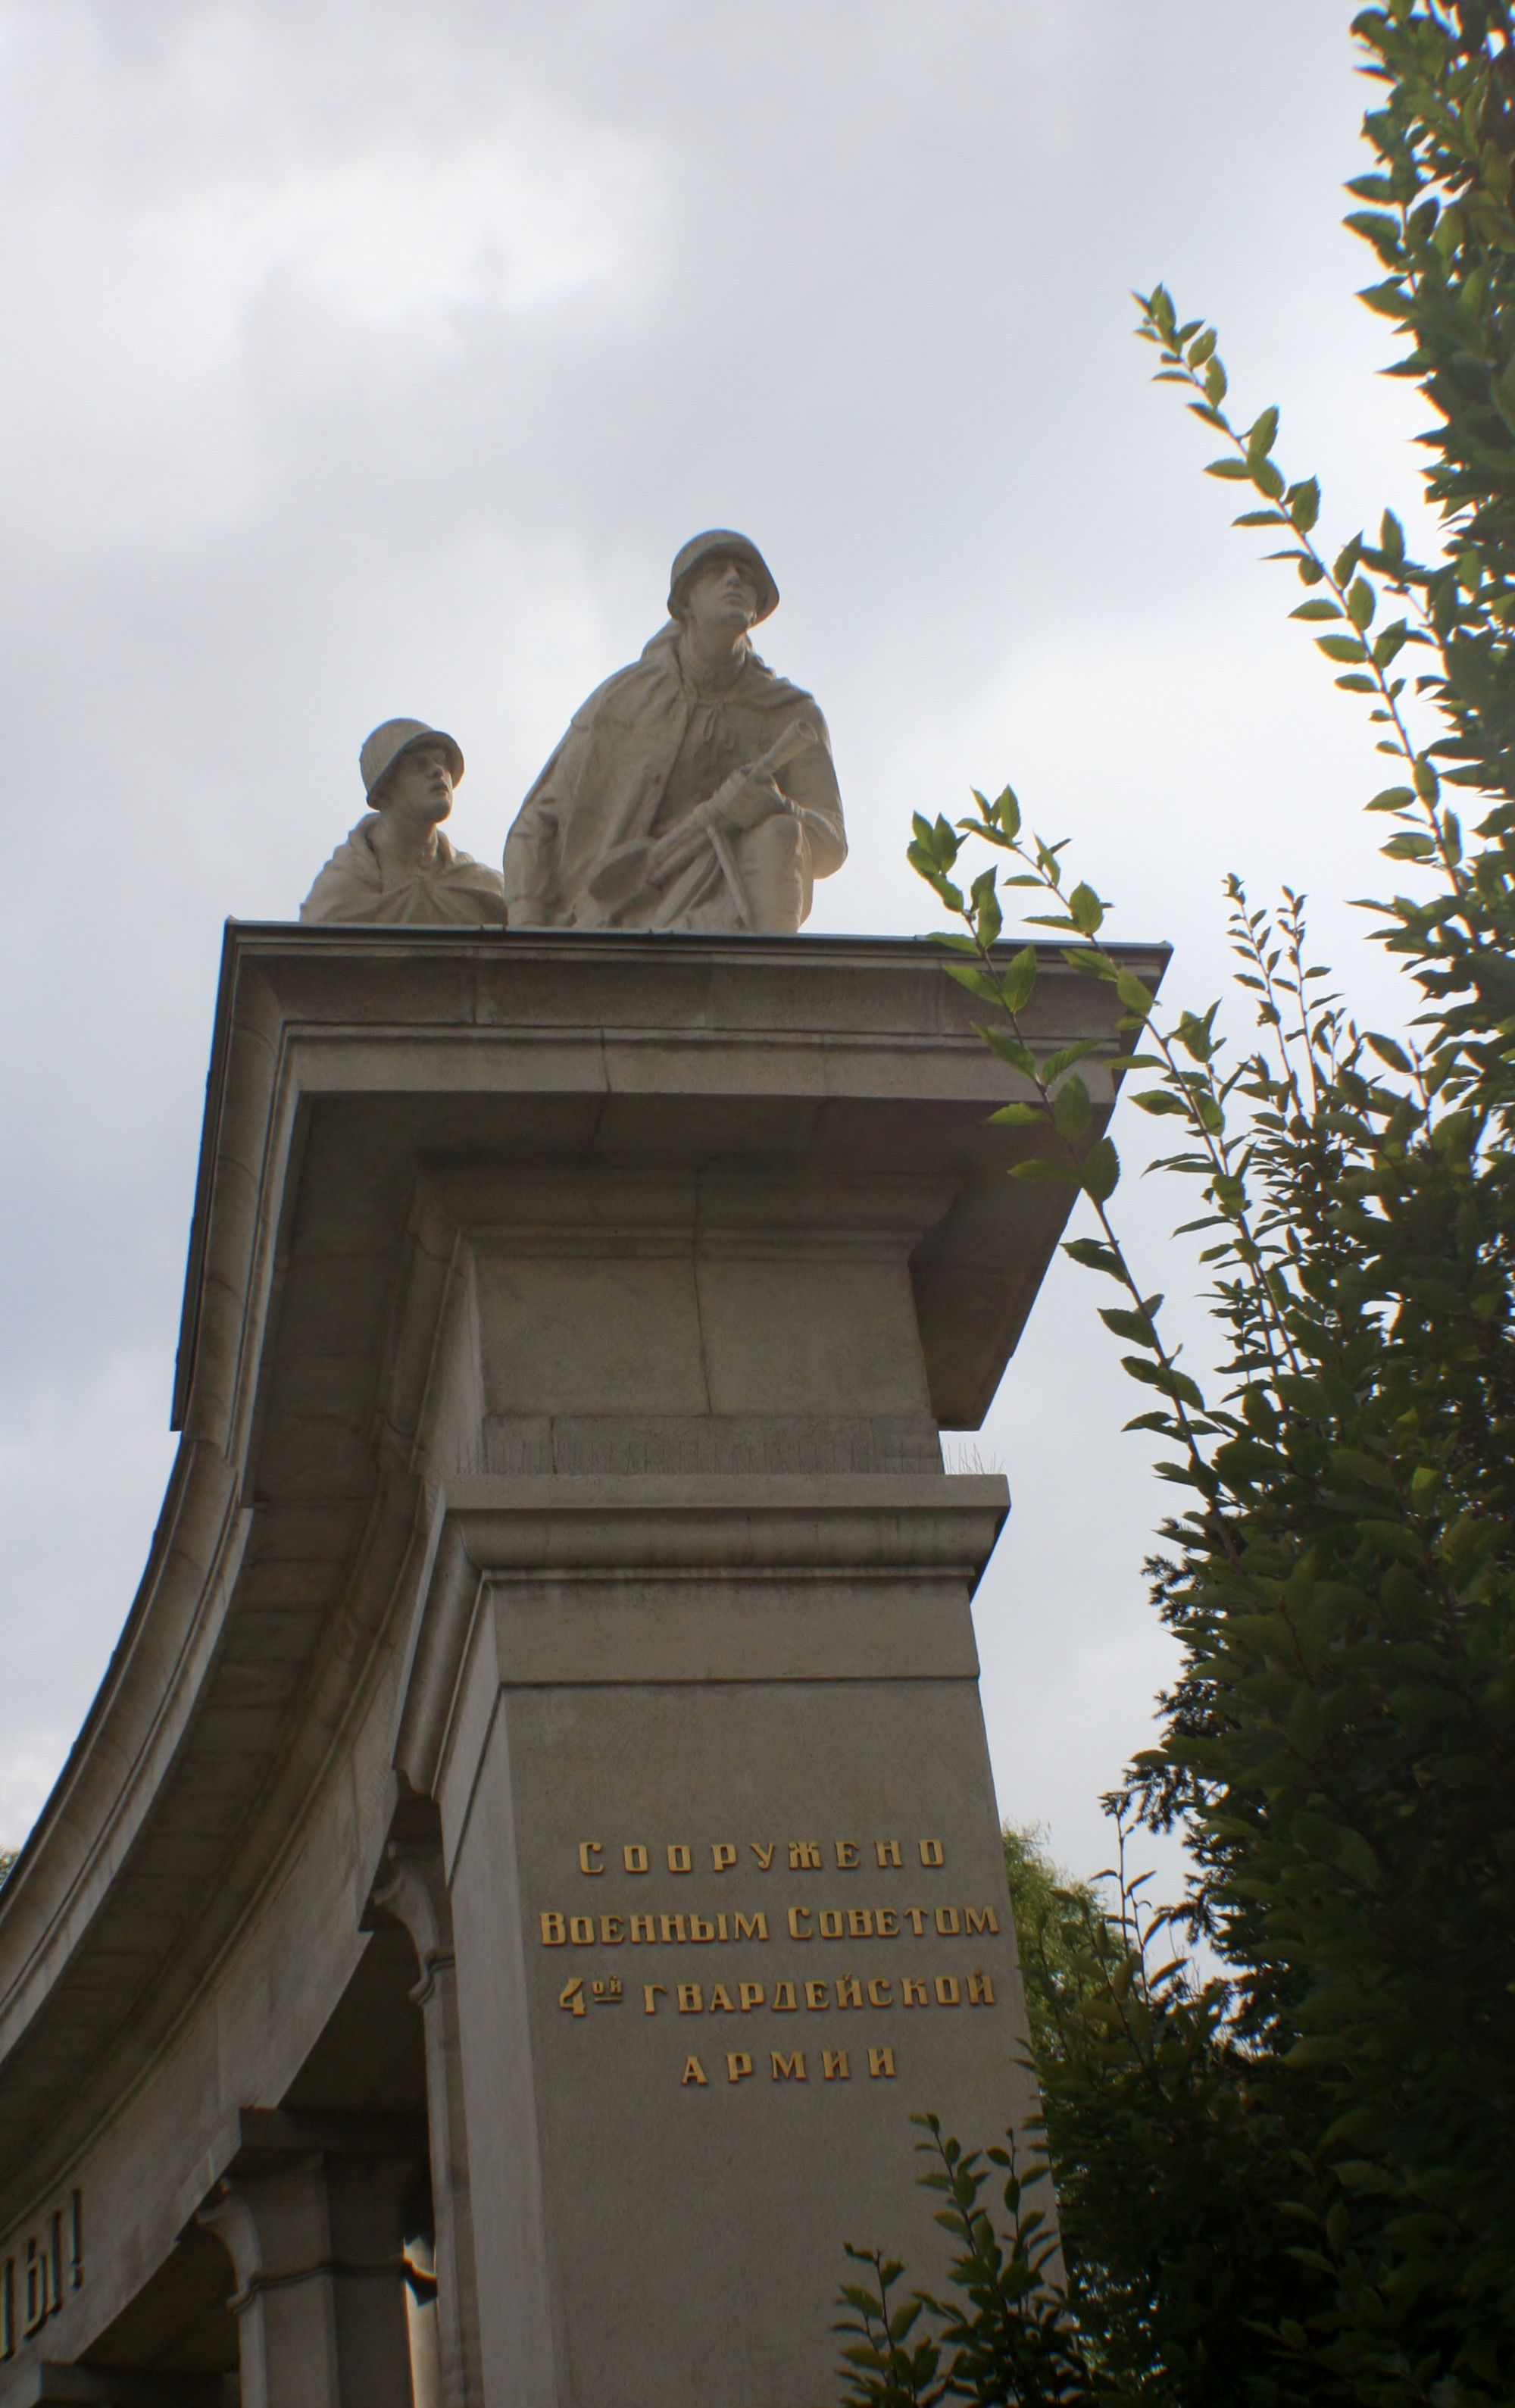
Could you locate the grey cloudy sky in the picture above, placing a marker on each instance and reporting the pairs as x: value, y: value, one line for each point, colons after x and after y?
x: 364, y: 358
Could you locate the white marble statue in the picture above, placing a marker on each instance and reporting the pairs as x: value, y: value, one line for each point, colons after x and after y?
x: 396, y: 865
x: 695, y: 789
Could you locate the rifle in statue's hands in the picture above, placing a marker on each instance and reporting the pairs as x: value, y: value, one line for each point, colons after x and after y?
x: 647, y: 863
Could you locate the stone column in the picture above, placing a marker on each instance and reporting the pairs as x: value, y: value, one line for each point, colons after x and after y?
x: 317, y: 2244
x: 413, y: 1891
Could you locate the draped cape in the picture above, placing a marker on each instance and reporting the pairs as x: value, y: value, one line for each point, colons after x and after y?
x: 451, y: 887
x: 606, y: 783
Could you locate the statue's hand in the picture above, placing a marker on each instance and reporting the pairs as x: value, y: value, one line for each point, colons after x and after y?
x: 745, y: 802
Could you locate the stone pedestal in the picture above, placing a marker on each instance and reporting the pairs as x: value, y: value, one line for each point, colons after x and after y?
x: 730, y: 1906
x: 559, y: 1567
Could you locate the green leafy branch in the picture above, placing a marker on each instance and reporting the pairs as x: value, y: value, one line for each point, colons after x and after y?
x: 1350, y: 599
x: 1013, y: 2339
x: 1193, y: 1087
x: 879, y: 2367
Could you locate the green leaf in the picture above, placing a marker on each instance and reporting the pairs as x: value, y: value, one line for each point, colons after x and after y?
x: 1303, y: 502
x: 1342, y: 648
x: 1194, y: 1033
x: 1361, y: 604
x: 1129, y: 1324
x: 1019, y: 1115
x: 1006, y: 811
x: 1159, y: 1375
x: 1100, y: 1171
x: 1009, y: 1048
x: 1039, y: 1168
x: 1262, y: 434
x: 1395, y: 1055
x: 1065, y: 1056
x: 1354, y: 1853
x: 1019, y: 981
x: 977, y: 981
x: 1133, y: 994
x: 1095, y: 1257
x: 1160, y: 1101
x: 1319, y: 609
x: 1232, y: 468
x: 1085, y: 910
x: 1072, y: 1110
x: 988, y: 918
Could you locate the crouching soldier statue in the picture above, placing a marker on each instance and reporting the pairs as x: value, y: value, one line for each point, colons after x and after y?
x: 695, y: 789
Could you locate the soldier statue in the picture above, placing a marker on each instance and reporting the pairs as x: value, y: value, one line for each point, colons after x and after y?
x: 396, y: 865
x: 694, y: 790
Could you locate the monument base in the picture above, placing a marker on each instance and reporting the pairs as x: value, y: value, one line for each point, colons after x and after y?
x: 544, y: 1763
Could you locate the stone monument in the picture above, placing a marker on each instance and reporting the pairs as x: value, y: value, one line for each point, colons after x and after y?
x: 533, y: 1846
x: 396, y: 865
x: 694, y: 790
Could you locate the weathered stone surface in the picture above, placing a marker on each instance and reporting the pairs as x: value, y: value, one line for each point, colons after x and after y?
x: 568, y: 1327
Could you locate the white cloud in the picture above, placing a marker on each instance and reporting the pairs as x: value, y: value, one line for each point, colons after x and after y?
x: 361, y: 358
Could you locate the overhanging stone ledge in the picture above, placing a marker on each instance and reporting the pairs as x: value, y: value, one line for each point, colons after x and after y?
x: 723, y: 1523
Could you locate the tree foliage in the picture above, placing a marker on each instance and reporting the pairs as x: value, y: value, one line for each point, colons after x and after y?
x: 1297, y: 2181
x: 1004, y: 2336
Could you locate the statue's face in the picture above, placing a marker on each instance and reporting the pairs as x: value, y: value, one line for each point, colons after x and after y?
x: 721, y: 597
x: 419, y: 784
